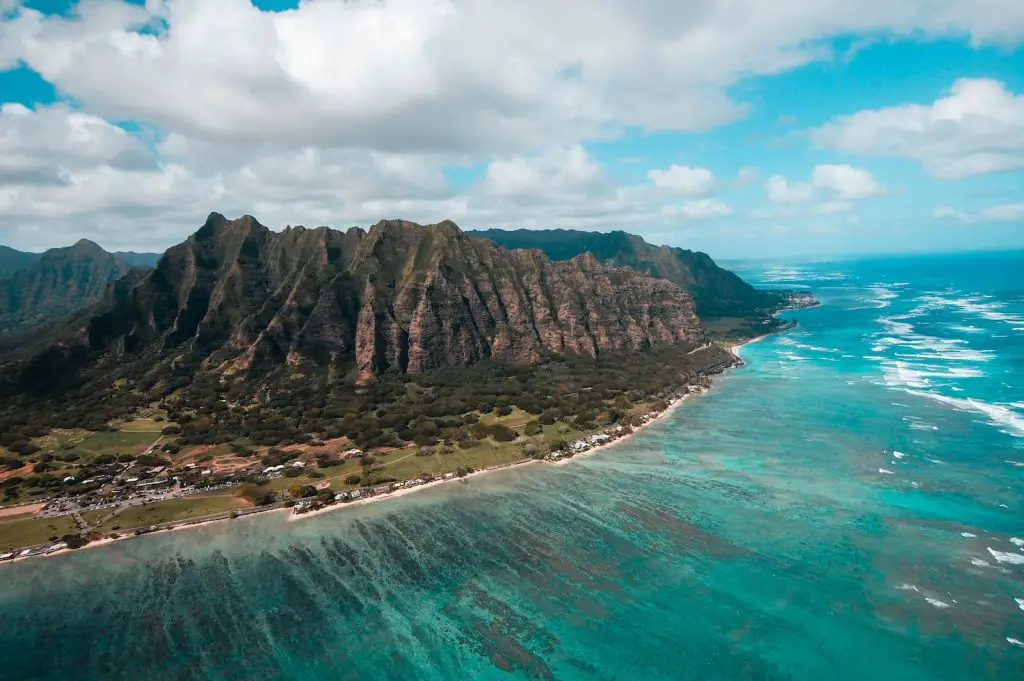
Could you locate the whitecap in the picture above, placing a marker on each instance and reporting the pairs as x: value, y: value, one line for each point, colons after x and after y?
x: 968, y: 535
x: 936, y: 602
x: 1015, y: 642
x: 1020, y: 603
x: 884, y: 471
x: 998, y: 414
x: 1018, y: 542
x: 908, y: 587
x: 978, y: 562
x: 1008, y: 558
x: 898, y: 455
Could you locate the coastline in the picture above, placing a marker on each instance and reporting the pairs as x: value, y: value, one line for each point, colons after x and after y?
x: 675, y: 404
x: 185, y: 525
x: 294, y: 517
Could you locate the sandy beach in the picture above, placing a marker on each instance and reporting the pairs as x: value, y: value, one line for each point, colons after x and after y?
x: 410, y: 490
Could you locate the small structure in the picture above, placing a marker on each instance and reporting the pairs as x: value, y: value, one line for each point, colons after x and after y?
x: 355, y: 494
x: 298, y: 464
x: 351, y: 452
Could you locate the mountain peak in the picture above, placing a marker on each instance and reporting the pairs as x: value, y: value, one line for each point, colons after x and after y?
x: 86, y: 247
x: 216, y: 226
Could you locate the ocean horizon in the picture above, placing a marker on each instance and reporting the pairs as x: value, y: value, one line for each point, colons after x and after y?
x: 848, y: 505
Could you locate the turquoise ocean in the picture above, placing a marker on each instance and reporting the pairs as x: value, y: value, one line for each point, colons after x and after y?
x: 849, y: 505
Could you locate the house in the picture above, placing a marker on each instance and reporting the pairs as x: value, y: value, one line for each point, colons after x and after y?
x: 578, y: 445
x: 351, y: 452
x: 131, y: 480
x: 56, y: 547
x: 7, y: 556
x: 355, y: 494
x: 298, y: 464
x: 206, y: 471
x: 449, y: 476
x: 68, y: 479
x: 341, y: 496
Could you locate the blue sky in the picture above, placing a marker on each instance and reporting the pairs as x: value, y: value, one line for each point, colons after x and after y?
x: 821, y: 128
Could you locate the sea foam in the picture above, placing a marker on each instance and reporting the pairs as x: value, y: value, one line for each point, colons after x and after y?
x: 1008, y: 558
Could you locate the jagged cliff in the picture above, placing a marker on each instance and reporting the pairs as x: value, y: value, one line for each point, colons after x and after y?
x: 241, y: 301
x: 717, y: 292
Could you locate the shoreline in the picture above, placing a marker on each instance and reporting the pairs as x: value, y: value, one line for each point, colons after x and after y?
x: 337, y: 506
x: 675, y: 404
x: 293, y: 517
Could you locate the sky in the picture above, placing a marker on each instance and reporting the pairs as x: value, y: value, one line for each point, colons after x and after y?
x: 744, y: 128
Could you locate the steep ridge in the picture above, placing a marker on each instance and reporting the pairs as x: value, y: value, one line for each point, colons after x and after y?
x: 61, y: 282
x: 12, y: 261
x: 238, y: 301
x: 716, y: 291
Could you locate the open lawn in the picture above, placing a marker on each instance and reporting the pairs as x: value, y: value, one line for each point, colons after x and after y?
x: 173, y: 509
x: 516, y: 419
x: 117, y: 442
x: 21, y: 531
x: 488, y: 453
x: 92, y: 516
x: 144, y: 426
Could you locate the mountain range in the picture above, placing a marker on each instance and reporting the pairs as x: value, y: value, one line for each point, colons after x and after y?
x: 717, y: 292
x: 240, y: 329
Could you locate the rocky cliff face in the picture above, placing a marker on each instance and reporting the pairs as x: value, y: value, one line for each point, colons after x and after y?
x: 61, y: 282
x: 242, y: 301
x: 716, y: 291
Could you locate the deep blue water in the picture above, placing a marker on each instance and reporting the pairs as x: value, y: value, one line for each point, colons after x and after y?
x: 844, y: 507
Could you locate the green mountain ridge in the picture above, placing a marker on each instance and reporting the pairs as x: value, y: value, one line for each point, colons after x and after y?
x: 61, y: 282
x: 717, y: 292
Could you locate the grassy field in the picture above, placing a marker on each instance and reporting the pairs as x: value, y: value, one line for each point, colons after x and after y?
x: 516, y: 419
x: 141, y: 425
x: 92, y: 516
x: 117, y: 442
x: 20, y: 531
x: 171, y: 510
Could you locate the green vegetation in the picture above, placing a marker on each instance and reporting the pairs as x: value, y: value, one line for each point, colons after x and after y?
x: 21, y: 531
x: 172, y: 509
x: 117, y: 442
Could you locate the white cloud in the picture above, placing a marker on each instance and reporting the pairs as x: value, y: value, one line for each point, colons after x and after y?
x: 978, y: 128
x: 684, y: 180
x: 48, y: 143
x: 841, y: 184
x: 561, y: 171
x: 705, y: 209
x: 348, y: 110
x: 446, y: 75
x: 1008, y: 212
x: 846, y: 182
x: 781, y: 191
